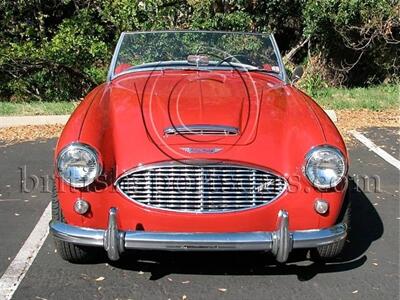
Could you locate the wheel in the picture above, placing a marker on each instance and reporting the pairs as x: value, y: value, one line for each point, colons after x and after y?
x: 333, y: 250
x: 68, y: 251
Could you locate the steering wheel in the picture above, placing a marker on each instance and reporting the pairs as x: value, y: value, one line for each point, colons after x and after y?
x: 226, y: 59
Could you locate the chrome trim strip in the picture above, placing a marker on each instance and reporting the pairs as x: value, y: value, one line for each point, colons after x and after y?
x: 251, y: 241
x: 282, y: 70
x: 201, y: 129
x: 77, y: 235
x: 280, y: 242
x: 316, y: 238
x: 210, y: 163
x: 111, y: 69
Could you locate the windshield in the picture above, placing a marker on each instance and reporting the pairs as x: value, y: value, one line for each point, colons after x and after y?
x: 198, y: 50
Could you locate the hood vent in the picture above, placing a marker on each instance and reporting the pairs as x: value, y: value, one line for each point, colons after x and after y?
x: 201, y: 130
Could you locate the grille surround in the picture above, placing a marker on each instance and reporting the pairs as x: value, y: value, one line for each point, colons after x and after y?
x: 197, y: 199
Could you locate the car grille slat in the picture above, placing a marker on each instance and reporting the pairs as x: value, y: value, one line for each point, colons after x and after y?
x: 201, y: 188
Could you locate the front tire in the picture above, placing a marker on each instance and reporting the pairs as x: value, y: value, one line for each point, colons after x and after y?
x: 68, y: 251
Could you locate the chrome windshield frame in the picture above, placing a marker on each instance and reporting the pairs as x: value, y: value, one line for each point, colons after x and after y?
x: 110, y: 75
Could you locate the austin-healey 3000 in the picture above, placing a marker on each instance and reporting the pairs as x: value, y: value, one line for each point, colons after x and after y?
x: 199, y: 141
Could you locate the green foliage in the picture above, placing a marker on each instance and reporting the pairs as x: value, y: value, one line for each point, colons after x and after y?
x: 32, y: 108
x: 376, y: 98
x: 314, y: 85
x: 60, y: 62
x: 358, y: 38
x: 78, y: 40
x: 58, y: 50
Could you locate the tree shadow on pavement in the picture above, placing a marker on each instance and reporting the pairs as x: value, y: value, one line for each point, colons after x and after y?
x: 366, y: 227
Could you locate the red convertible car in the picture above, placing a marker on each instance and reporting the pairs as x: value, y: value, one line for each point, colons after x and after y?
x: 199, y: 141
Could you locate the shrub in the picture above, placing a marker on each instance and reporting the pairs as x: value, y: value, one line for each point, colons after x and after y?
x: 58, y: 50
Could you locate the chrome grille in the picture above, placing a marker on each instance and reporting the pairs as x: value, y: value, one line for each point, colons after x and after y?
x: 201, y: 188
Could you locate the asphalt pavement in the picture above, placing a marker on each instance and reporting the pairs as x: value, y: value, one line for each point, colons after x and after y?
x: 368, y: 268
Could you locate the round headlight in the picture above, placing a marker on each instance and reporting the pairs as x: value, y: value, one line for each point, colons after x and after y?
x: 325, y: 167
x: 78, y: 165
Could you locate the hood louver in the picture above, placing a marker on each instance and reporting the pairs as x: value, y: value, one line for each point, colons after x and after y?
x: 201, y: 130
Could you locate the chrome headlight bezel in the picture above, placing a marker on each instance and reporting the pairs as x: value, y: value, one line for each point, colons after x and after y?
x: 91, y: 152
x: 339, y: 177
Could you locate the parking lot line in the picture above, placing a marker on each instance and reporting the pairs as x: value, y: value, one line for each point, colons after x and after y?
x: 371, y: 145
x: 16, y: 271
x: 10, y: 200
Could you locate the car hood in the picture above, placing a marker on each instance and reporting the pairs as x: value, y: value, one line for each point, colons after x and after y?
x: 190, y: 107
x: 276, y: 125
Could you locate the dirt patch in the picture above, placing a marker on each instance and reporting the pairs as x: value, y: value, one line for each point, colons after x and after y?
x: 347, y: 120
x: 14, y: 135
x: 358, y: 119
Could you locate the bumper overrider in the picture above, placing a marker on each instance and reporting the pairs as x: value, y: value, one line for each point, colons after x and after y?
x: 279, y: 242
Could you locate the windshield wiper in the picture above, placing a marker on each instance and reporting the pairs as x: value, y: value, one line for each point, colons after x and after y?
x: 261, y: 71
x: 194, y: 68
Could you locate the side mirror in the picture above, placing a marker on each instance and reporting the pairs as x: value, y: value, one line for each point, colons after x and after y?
x: 297, y: 73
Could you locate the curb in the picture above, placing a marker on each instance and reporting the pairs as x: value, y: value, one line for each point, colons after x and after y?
x: 331, y: 114
x: 15, y: 121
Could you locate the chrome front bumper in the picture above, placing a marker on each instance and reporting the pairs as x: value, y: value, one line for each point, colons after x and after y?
x: 279, y: 242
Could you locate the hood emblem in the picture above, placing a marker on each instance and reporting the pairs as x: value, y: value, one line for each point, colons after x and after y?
x: 201, y: 150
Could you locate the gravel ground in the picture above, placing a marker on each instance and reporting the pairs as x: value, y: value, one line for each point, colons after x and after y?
x: 15, y: 135
x: 357, y: 119
x: 347, y: 120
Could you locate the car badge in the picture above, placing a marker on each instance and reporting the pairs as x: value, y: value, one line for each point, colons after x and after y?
x: 201, y: 150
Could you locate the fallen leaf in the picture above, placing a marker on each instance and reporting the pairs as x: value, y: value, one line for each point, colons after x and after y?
x: 101, y: 278
x: 85, y: 276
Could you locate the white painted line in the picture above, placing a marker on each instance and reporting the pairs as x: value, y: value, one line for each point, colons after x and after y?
x: 371, y: 145
x: 16, y: 271
x: 10, y: 200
